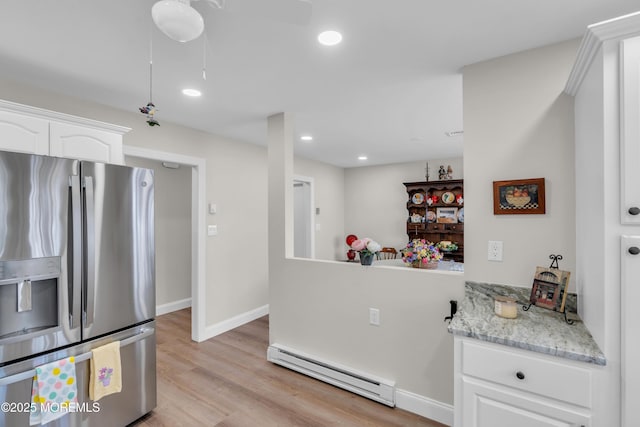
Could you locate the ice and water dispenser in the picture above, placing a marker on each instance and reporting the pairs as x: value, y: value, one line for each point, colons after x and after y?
x: 28, y: 296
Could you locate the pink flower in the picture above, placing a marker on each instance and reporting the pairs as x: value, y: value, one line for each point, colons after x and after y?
x: 358, y: 245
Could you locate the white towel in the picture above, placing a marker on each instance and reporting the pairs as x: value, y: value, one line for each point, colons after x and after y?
x: 54, y: 392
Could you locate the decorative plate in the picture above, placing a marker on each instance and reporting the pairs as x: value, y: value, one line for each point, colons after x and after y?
x: 461, y: 215
x: 418, y: 198
x: 431, y: 216
x: 448, y: 197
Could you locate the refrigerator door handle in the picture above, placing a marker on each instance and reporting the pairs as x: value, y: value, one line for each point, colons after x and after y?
x: 75, y: 255
x: 90, y: 246
x: 12, y: 379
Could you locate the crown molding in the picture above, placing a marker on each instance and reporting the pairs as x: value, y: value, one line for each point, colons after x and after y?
x: 596, y: 34
x: 41, y: 113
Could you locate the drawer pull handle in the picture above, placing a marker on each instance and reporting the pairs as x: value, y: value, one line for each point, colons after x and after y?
x: 520, y: 375
x: 634, y: 250
x: 634, y: 210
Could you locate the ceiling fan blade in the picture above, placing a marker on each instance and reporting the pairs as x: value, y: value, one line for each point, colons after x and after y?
x: 288, y: 11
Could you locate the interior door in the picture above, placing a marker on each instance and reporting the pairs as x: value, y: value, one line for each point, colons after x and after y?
x: 303, y: 218
x: 119, y: 268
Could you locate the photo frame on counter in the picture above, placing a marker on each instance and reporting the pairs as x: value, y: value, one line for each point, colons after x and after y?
x: 519, y: 196
x: 549, y: 288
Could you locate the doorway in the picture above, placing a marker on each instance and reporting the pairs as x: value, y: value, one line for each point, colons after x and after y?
x: 197, y: 167
x: 172, y: 203
x: 303, y: 217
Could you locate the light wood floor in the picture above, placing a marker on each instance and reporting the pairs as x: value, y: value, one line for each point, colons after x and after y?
x: 227, y: 382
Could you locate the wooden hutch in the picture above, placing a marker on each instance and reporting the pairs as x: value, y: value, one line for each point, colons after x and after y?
x: 436, y: 213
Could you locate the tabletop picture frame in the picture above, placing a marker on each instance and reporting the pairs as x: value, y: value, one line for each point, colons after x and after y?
x: 447, y: 215
x: 519, y: 196
x: 549, y: 288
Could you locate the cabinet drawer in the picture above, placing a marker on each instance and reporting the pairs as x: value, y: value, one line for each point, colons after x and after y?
x: 552, y: 379
x: 415, y: 226
x: 457, y: 228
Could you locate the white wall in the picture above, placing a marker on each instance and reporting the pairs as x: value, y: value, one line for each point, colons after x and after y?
x: 173, y: 230
x: 236, y: 265
x: 376, y: 199
x: 321, y: 307
x: 518, y: 123
x: 329, y: 198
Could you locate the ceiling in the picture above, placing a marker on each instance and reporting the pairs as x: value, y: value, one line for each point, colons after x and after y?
x: 389, y: 91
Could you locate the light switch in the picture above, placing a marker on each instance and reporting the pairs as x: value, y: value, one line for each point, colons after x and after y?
x: 212, y: 230
x: 213, y: 209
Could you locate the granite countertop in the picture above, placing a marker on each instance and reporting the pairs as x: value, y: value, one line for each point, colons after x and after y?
x: 538, y: 329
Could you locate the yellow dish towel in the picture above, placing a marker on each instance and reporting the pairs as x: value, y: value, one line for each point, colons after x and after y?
x: 54, y: 392
x: 106, y: 372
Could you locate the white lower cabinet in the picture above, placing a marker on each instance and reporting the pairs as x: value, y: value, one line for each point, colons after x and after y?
x: 497, y: 386
x: 630, y: 293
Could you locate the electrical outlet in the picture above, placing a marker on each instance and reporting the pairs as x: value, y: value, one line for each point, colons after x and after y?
x: 495, y: 250
x: 374, y: 316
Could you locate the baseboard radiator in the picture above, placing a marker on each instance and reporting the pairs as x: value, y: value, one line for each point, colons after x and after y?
x: 380, y: 390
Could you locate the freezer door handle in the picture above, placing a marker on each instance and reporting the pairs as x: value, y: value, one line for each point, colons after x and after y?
x: 90, y: 256
x: 75, y: 253
x: 12, y: 379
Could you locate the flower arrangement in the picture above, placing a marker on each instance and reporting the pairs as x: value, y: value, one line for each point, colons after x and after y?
x: 366, y: 246
x: 419, y: 251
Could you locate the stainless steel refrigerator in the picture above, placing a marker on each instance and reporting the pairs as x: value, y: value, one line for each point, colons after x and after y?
x: 77, y: 271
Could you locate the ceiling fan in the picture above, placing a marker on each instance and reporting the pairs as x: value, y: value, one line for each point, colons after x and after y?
x: 181, y: 22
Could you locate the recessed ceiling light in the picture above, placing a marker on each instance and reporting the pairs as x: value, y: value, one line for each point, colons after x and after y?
x: 329, y: 38
x: 306, y: 138
x: 362, y: 157
x: 191, y: 92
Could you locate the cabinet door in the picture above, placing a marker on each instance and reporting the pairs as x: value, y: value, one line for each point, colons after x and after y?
x: 486, y: 405
x: 630, y: 319
x: 77, y: 142
x: 630, y: 131
x: 23, y: 134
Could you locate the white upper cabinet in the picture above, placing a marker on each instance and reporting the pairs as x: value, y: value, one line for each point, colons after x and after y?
x: 34, y: 130
x: 23, y: 134
x: 78, y: 142
x: 630, y: 131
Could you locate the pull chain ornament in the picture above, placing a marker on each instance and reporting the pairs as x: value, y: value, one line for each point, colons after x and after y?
x: 150, y: 108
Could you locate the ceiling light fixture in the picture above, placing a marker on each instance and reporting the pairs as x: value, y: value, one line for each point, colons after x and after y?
x: 306, y: 138
x: 191, y: 92
x: 329, y: 38
x: 362, y: 157
x: 177, y: 19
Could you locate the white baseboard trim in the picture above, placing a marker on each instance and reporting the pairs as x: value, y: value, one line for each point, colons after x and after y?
x: 234, y: 322
x: 429, y: 408
x: 172, y: 306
